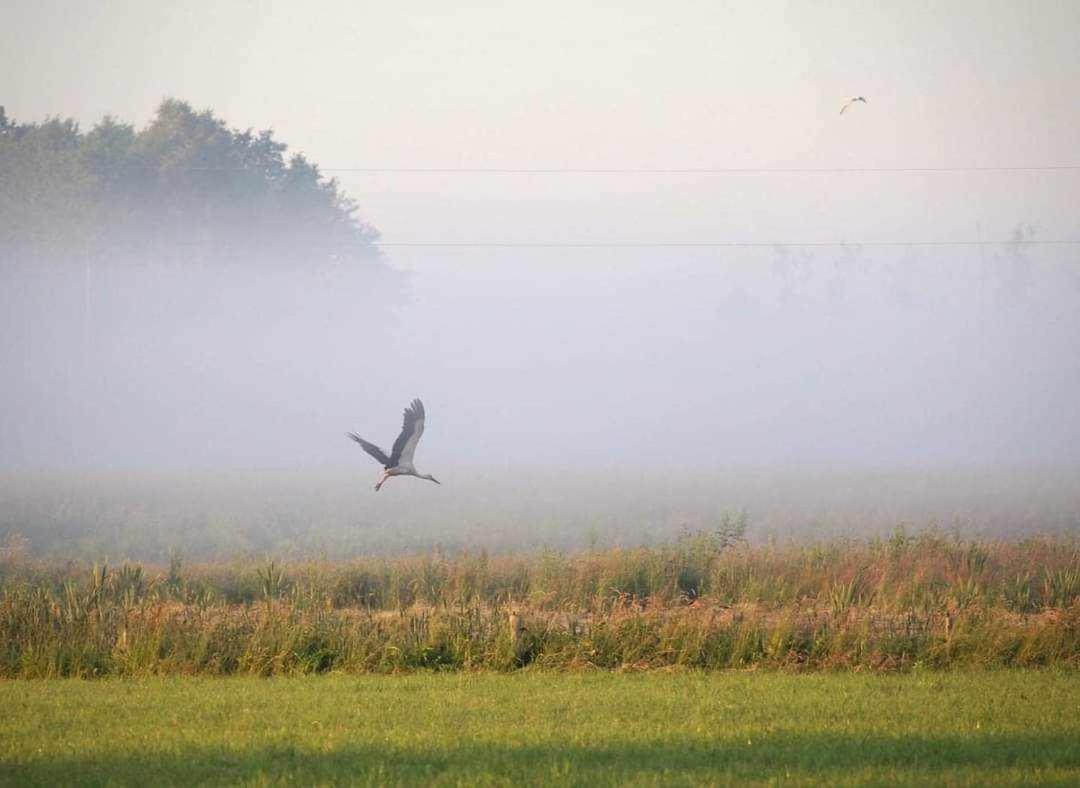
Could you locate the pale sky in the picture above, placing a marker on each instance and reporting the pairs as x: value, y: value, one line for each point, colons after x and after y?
x: 619, y: 85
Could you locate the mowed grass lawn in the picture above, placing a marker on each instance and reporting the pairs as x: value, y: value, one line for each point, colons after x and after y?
x: 543, y: 727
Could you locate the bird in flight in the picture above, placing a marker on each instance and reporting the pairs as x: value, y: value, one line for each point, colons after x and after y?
x: 400, y: 461
x: 850, y: 102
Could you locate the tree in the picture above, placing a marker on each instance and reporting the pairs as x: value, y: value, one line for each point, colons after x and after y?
x: 186, y: 188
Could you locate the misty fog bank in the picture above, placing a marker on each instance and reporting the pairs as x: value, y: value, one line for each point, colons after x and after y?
x: 884, y: 358
x: 335, y: 514
x: 190, y: 296
x: 197, y: 304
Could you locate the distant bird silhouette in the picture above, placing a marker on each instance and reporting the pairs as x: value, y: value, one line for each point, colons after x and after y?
x: 850, y: 102
x: 400, y: 460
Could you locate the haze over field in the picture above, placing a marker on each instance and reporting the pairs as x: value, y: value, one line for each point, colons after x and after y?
x: 666, y: 355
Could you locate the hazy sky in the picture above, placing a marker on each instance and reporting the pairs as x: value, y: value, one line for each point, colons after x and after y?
x: 628, y: 84
x: 900, y: 355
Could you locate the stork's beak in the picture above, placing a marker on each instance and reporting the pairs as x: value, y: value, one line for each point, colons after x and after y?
x: 434, y: 480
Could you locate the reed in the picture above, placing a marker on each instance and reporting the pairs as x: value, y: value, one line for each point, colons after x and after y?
x: 706, y: 600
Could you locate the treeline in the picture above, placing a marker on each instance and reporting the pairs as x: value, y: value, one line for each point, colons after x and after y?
x: 183, y: 188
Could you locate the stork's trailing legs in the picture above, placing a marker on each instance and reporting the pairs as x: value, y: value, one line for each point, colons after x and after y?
x: 382, y: 479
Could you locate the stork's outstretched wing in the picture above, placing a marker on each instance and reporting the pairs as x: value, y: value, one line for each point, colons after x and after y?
x: 411, y: 430
x: 372, y: 449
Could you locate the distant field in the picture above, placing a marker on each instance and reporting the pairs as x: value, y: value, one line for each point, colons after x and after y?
x: 978, y: 728
x: 144, y: 516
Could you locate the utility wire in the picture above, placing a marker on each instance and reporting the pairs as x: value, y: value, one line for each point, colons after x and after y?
x: 706, y: 244
x: 686, y: 171
x: 630, y: 244
x: 625, y: 170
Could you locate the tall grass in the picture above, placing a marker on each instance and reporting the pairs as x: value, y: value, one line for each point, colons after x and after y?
x: 706, y: 600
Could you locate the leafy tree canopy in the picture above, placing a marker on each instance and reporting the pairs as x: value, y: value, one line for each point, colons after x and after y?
x: 185, y: 188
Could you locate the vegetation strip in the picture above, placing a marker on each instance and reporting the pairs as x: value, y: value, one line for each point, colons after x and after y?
x: 706, y: 601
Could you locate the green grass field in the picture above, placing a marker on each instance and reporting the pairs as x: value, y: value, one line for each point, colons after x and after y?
x: 1006, y: 727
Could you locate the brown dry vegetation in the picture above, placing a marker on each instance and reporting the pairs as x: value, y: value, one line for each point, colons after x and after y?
x: 707, y: 600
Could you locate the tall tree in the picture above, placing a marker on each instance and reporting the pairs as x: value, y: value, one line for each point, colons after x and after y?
x: 184, y: 188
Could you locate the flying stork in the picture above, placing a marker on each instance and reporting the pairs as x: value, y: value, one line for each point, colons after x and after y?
x: 400, y: 460
x: 850, y: 102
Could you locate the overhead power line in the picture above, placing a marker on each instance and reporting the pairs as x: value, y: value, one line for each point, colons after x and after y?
x: 630, y: 244
x: 685, y: 171
x: 634, y: 170
x: 707, y: 244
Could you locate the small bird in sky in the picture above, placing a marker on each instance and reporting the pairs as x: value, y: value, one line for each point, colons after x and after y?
x: 400, y: 460
x: 850, y: 102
